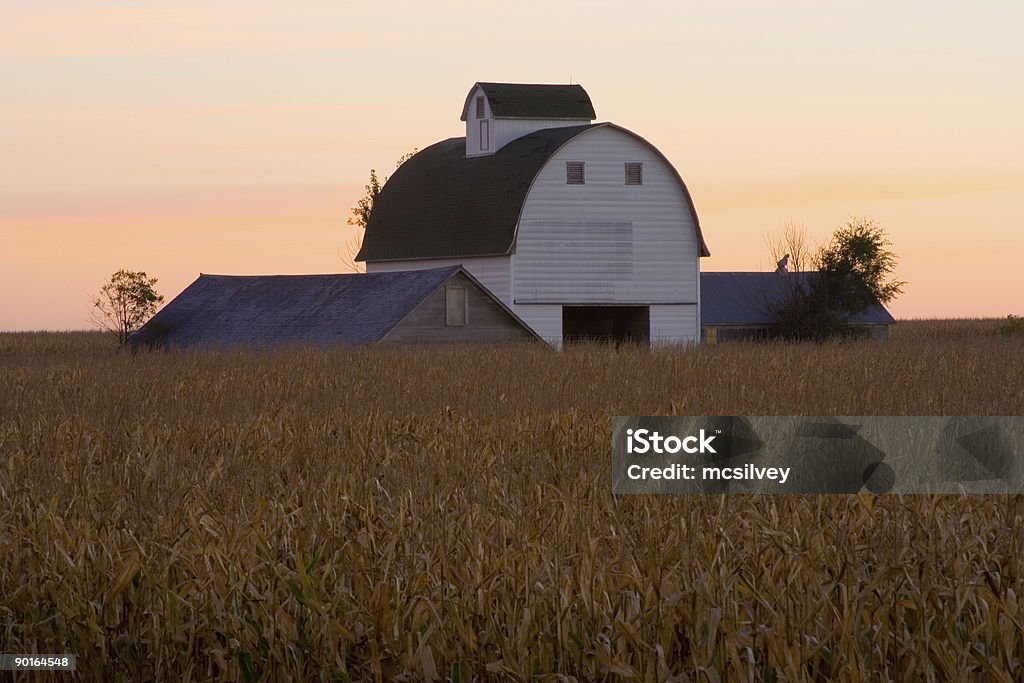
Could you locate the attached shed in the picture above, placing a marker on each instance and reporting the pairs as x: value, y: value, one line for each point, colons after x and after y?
x: 438, y: 305
x: 738, y: 306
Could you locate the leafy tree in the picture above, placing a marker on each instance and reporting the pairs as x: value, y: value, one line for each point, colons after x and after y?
x: 125, y: 303
x: 364, y: 207
x: 362, y: 211
x: 850, y: 274
x: 856, y: 266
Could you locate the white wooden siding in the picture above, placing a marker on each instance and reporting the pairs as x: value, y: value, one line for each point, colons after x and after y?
x: 672, y: 324
x: 493, y: 272
x: 473, y: 147
x: 507, y: 130
x: 605, y: 241
x: 546, y: 321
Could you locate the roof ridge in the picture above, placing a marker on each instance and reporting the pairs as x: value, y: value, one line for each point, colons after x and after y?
x: 438, y: 270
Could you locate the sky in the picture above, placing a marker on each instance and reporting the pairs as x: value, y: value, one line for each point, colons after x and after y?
x: 234, y: 137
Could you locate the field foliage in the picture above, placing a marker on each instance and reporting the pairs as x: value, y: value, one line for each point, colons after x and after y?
x: 440, y: 512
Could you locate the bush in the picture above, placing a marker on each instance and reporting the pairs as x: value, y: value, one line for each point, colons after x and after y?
x: 1014, y: 325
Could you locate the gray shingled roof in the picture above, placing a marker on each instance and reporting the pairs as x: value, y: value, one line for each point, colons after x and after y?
x: 535, y: 101
x: 246, y: 310
x: 747, y: 298
x: 443, y: 204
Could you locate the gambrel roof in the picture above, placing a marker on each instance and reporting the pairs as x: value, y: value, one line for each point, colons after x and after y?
x: 443, y: 204
x: 747, y: 298
x: 534, y: 101
x: 266, y: 310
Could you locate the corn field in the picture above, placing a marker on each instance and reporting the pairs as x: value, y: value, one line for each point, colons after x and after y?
x: 444, y: 513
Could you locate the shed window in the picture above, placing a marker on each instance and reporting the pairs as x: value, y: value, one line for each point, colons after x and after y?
x: 480, y: 107
x: 485, y: 135
x: 455, y: 306
x: 574, y: 173
x: 634, y: 173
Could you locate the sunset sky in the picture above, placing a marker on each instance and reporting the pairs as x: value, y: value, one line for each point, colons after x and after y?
x: 234, y: 137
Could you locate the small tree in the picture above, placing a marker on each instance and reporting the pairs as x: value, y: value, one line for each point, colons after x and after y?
x: 364, y: 207
x: 362, y: 211
x: 125, y: 303
x: 851, y: 273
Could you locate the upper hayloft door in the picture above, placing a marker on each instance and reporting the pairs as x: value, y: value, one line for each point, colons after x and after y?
x: 478, y: 124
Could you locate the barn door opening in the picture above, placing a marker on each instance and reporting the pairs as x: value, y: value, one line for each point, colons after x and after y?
x: 606, y: 324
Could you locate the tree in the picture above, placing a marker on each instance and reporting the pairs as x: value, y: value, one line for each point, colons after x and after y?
x: 856, y: 266
x: 793, y: 246
x: 364, y: 207
x: 850, y: 274
x: 362, y: 211
x: 125, y: 303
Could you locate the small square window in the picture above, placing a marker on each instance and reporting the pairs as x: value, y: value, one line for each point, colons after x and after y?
x: 455, y: 306
x: 574, y: 173
x: 634, y: 173
x: 480, y: 107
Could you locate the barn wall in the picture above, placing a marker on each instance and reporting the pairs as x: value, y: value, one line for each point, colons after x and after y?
x: 546, y: 321
x: 493, y: 272
x: 674, y: 324
x: 507, y: 130
x: 486, y: 321
x: 605, y: 241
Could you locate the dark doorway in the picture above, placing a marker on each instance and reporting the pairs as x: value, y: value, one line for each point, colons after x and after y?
x: 606, y: 323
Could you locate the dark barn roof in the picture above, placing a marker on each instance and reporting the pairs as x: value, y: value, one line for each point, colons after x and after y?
x: 747, y: 298
x: 241, y: 310
x: 535, y: 101
x: 442, y: 204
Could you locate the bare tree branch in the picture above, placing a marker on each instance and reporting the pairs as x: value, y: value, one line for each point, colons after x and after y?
x: 793, y: 241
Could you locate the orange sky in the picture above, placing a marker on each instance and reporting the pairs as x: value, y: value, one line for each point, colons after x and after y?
x: 234, y: 137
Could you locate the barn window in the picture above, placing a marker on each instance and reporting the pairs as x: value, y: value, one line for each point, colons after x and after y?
x: 455, y: 306
x: 634, y: 173
x: 480, y: 107
x: 485, y: 135
x: 574, y: 173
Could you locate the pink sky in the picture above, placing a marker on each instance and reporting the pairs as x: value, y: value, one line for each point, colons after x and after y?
x: 234, y: 137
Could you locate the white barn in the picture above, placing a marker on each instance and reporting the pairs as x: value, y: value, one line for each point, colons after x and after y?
x: 584, y: 230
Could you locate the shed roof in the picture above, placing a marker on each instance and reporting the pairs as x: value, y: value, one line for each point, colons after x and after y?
x: 535, y: 101
x: 746, y: 298
x: 241, y: 310
x: 442, y: 204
